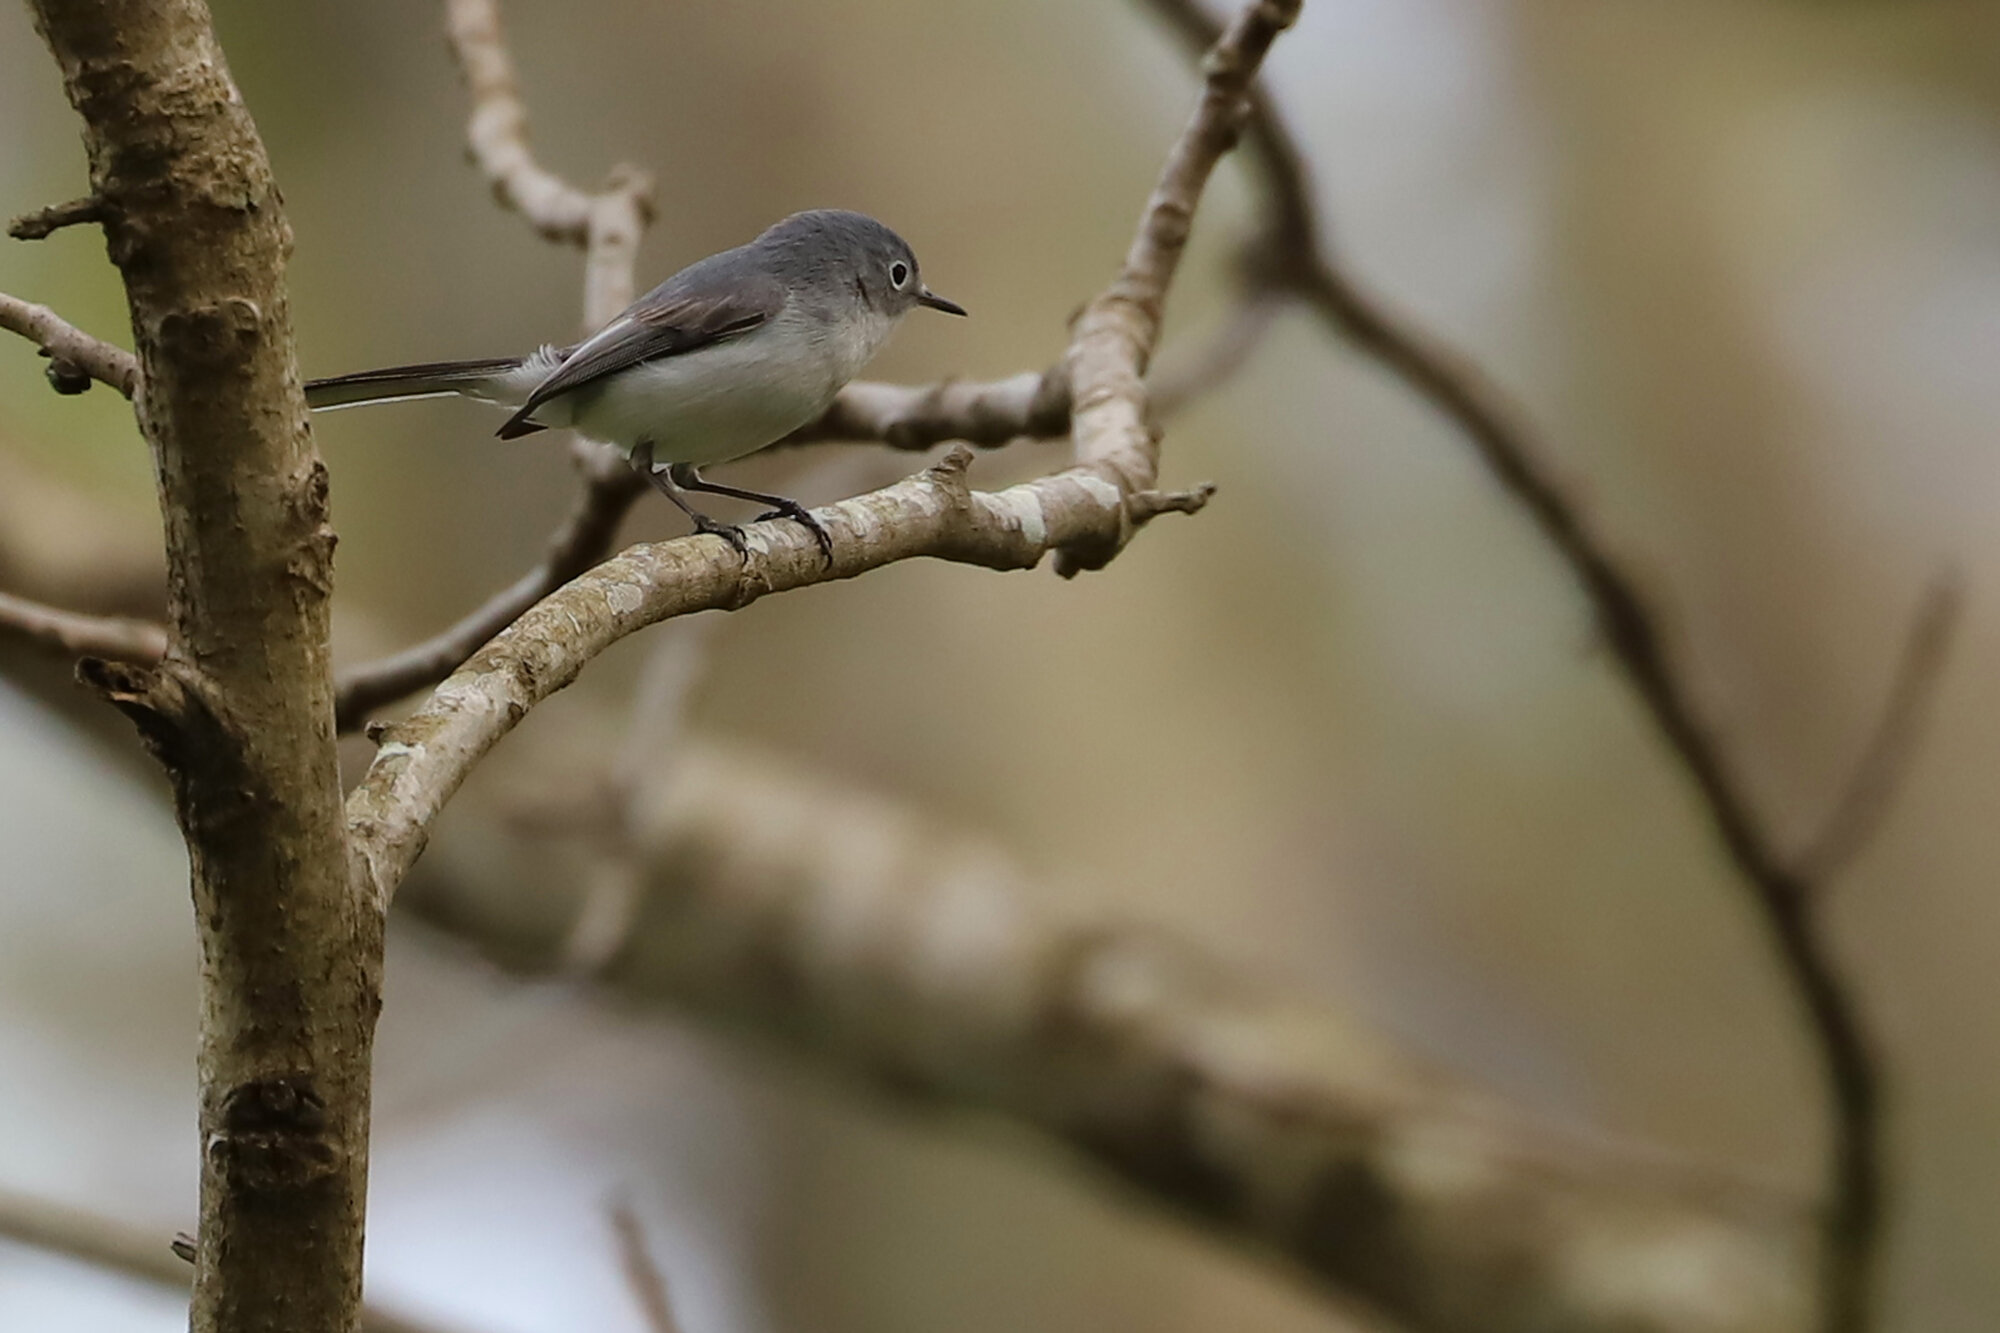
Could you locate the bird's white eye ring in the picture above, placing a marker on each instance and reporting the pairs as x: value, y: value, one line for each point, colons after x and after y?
x: 899, y: 273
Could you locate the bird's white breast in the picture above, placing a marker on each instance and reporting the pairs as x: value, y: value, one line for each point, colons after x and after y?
x: 728, y: 399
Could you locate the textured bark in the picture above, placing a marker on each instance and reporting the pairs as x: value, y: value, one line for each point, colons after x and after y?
x: 241, y: 708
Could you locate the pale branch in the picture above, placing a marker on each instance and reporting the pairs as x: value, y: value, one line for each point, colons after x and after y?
x: 46, y: 222
x: 71, y: 351
x: 916, y: 417
x: 1878, y: 773
x: 425, y: 757
x: 130, y: 1251
x: 846, y: 926
x: 643, y: 1277
x: 1114, y: 337
x: 1295, y: 256
x: 497, y: 135
x: 988, y: 414
x: 240, y: 709
x: 73, y: 634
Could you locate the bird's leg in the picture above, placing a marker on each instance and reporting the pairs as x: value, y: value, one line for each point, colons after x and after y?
x: 688, y: 479
x: 663, y: 482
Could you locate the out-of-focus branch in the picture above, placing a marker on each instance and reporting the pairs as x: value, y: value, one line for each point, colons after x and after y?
x: 1878, y: 774
x: 1295, y: 256
x: 844, y: 924
x: 122, y: 1248
x: 75, y: 358
x: 75, y: 635
x: 642, y: 1275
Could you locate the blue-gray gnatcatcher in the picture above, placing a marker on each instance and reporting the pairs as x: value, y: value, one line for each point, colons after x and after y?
x: 728, y: 355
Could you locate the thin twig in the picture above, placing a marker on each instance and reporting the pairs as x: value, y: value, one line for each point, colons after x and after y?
x: 642, y: 1274
x: 76, y: 635
x: 134, y: 1252
x: 45, y: 222
x: 1114, y: 337
x: 1294, y: 255
x: 69, y: 348
x: 1878, y: 774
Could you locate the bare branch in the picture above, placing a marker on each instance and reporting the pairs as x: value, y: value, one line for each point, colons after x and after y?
x: 1294, y: 256
x: 1871, y: 788
x: 648, y: 1284
x: 238, y: 710
x: 917, y: 417
x: 46, y: 222
x: 912, y: 955
x: 75, y: 635
x: 1114, y: 336
x: 425, y: 757
x: 122, y: 1248
x: 70, y: 350
x: 497, y: 134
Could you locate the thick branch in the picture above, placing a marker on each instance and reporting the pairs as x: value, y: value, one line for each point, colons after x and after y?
x: 241, y: 708
x: 1270, y: 1121
x: 69, y: 348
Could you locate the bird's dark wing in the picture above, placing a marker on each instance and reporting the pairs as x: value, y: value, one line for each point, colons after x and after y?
x: 694, y: 309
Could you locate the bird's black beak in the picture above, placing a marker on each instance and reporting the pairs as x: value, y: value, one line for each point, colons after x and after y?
x: 936, y: 302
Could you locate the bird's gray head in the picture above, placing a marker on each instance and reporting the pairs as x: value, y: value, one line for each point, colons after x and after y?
x: 831, y: 246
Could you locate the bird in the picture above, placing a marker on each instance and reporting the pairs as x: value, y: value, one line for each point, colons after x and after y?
x: 730, y: 354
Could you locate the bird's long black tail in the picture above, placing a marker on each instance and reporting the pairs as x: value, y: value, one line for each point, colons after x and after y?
x: 429, y: 380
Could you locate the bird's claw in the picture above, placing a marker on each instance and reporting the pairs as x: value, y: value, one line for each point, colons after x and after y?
x: 802, y: 516
x: 729, y: 532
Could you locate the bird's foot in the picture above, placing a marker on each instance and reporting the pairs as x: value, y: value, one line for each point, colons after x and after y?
x: 729, y: 532
x: 802, y: 516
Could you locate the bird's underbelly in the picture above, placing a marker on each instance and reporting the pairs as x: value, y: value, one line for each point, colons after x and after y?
x: 709, y: 406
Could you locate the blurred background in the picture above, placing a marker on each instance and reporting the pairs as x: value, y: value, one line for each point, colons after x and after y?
x: 1740, y: 262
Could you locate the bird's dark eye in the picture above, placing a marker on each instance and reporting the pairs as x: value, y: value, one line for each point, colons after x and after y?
x: 899, y: 273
